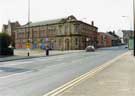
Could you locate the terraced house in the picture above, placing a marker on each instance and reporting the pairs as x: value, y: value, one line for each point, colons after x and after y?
x: 59, y: 34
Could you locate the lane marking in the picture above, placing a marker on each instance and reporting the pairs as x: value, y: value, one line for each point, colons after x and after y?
x: 16, y: 74
x: 15, y: 63
x: 82, y: 77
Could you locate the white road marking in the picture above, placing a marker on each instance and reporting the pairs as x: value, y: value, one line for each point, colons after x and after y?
x: 82, y: 77
x: 16, y: 63
x: 16, y: 74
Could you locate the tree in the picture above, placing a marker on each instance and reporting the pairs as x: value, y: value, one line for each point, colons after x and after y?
x: 5, y: 41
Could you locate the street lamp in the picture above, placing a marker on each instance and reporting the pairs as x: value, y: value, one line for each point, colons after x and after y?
x: 28, y: 42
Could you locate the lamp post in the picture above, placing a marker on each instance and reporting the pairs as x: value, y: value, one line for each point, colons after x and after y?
x: 28, y: 41
x: 134, y: 23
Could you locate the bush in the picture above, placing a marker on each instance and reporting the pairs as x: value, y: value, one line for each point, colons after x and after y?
x: 5, y: 41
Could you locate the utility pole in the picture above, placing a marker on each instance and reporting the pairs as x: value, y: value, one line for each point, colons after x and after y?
x: 28, y: 41
x: 134, y: 23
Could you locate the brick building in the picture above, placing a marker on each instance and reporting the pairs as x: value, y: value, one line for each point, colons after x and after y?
x: 104, y: 40
x: 10, y: 29
x: 59, y: 34
x: 116, y: 40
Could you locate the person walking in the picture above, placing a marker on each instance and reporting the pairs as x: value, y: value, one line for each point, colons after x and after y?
x: 47, y: 51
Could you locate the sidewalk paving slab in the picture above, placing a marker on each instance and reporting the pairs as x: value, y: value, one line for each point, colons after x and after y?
x: 118, y: 79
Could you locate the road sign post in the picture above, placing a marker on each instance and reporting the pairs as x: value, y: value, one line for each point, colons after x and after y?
x: 28, y: 47
x: 134, y: 23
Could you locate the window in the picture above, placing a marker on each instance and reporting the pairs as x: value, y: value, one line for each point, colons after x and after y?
x: 35, y: 34
x: 51, y: 30
x: 60, y: 42
x: 66, y: 28
x: 20, y: 35
x: 26, y: 34
x: 60, y: 29
x: 76, y: 28
x: 42, y: 33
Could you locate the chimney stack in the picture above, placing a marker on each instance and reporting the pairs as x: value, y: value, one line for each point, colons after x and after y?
x: 92, y: 23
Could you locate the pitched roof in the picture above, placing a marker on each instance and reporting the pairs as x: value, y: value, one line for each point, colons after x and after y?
x: 48, y: 22
x: 112, y: 36
x: 44, y: 22
x: 107, y: 34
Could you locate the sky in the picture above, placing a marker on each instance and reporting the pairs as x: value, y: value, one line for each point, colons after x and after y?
x: 107, y: 15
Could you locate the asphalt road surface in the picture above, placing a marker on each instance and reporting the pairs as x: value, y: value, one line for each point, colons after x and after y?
x: 38, y: 76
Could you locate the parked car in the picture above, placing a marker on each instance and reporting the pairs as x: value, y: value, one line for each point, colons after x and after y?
x: 90, y: 48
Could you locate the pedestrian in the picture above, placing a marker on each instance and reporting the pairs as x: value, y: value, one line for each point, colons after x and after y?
x: 47, y: 51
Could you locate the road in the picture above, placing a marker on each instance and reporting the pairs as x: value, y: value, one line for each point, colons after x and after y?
x: 38, y: 76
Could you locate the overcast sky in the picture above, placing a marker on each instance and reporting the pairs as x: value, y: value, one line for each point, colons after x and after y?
x: 107, y: 14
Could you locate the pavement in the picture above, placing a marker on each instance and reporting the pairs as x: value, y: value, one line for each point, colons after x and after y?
x: 34, y: 53
x: 117, y: 79
x: 39, y: 52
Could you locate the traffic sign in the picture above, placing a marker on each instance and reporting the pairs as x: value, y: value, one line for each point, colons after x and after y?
x: 27, y: 45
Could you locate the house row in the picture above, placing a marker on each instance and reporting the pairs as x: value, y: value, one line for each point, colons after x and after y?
x: 108, y: 39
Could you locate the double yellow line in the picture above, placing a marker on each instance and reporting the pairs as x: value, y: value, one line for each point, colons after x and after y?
x: 83, y: 77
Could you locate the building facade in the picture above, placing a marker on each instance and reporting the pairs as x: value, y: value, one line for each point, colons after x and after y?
x: 116, y: 40
x: 104, y: 40
x: 10, y: 30
x: 59, y: 34
x: 127, y: 34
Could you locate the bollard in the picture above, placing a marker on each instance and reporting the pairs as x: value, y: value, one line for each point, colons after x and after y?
x: 47, y: 52
x: 28, y: 54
